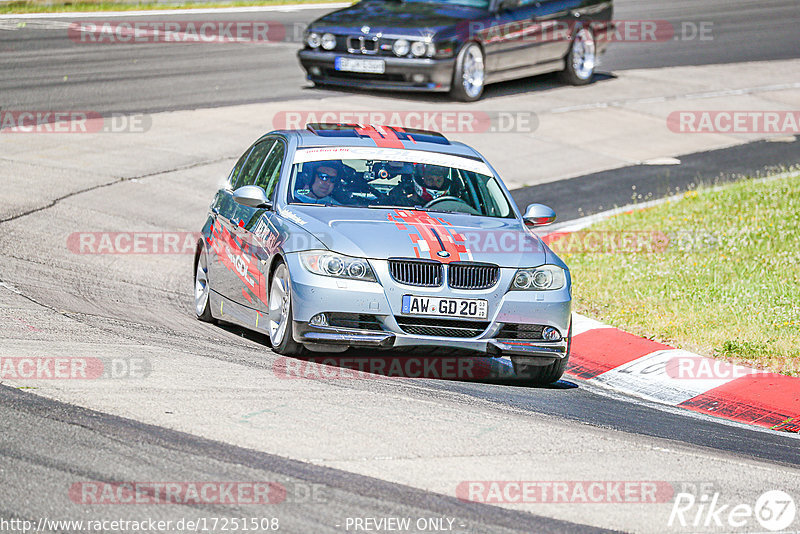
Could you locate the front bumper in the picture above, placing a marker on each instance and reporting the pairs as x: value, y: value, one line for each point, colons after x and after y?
x: 437, y: 74
x: 382, y: 302
x: 328, y: 335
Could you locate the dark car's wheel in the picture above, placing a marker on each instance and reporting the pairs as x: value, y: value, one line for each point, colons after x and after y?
x: 546, y: 374
x: 469, y: 74
x: 279, y: 317
x: 201, y: 286
x: 582, y: 58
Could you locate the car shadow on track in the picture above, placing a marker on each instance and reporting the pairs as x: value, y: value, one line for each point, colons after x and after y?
x: 531, y: 84
x: 435, y: 363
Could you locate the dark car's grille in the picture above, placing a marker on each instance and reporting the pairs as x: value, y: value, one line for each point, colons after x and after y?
x: 472, y: 276
x: 520, y: 331
x: 362, y: 45
x: 416, y: 273
x: 357, y: 321
x: 441, y: 327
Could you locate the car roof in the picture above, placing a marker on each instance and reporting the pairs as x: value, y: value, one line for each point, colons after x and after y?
x: 336, y: 134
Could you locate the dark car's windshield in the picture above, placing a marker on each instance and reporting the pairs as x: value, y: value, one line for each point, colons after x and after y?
x: 375, y: 183
x: 481, y: 4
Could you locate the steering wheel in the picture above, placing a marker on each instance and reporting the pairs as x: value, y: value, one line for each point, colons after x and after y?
x: 469, y: 209
x: 442, y: 199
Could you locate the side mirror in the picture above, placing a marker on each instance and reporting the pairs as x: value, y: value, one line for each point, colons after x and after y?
x: 252, y: 196
x: 538, y: 215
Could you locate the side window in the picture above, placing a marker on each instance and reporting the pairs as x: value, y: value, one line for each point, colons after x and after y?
x: 271, y: 171
x: 249, y: 171
x: 235, y: 171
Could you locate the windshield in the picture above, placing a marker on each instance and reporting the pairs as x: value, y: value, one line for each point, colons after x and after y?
x: 482, y: 4
x: 377, y: 183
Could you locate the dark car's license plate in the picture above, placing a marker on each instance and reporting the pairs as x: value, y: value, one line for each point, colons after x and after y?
x: 371, y: 66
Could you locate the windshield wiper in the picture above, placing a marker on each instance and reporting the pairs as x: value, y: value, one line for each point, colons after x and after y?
x: 389, y: 207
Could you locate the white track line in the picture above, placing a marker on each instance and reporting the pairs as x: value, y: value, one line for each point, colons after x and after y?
x: 170, y: 12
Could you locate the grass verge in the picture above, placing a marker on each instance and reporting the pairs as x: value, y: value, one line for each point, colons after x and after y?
x: 716, y: 272
x: 28, y: 6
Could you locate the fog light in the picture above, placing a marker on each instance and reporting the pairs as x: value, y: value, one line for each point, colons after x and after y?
x: 315, y: 71
x: 418, y: 78
x: 550, y: 334
x: 319, y: 319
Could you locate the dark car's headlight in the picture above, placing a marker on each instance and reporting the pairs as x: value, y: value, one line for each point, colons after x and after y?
x: 337, y: 265
x: 328, y: 41
x: 539, y: 278
x: 400, y: 47
x: 313, y: 40
x: 418, y: 48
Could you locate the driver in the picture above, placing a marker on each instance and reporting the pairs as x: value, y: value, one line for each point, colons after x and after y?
x: 430, y: 183
x: 326, y: 176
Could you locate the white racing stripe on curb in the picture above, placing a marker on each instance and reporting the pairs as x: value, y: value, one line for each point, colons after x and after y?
x: 581, y: 324
x: 648, y: 377
x: 169, y: 12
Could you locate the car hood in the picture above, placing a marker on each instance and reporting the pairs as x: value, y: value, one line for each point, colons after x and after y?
x: 391, y: 17
x: 399, y: 233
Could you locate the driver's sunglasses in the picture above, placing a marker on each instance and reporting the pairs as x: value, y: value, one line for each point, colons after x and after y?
x: 325, y: 177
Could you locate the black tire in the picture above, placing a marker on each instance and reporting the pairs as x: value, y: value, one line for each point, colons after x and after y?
x: 581, y: 59
x: 546, y: 374
x: 286, y: 345
x: 202, y: 309
x: 459, y: 89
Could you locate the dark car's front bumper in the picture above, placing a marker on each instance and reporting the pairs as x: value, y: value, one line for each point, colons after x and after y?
x: 437, y: 74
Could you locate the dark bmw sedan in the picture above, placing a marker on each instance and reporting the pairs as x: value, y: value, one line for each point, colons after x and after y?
x: 455, y: 45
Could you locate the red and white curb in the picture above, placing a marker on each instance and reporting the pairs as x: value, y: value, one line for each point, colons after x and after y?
x: 637, y: 366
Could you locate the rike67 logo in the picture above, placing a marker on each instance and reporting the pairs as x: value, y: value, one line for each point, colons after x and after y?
x: 774, y: 510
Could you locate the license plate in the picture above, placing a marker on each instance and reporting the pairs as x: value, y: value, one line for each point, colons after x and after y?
x: 372, y: 66
x: 472, y: 308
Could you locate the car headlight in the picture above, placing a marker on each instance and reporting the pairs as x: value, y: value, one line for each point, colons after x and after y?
x: 336, y: 265
x: 418, y: 48
x: 313, y: 40
x: 400, y: 47
x: 539, y: 278
x: 328, y: 41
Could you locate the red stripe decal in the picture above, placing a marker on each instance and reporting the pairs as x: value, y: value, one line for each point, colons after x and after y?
x: 434, y: 233
x: 387, y: 140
